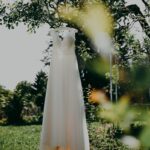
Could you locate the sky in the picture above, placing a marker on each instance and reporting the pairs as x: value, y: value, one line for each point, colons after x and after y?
x: 21, y: 52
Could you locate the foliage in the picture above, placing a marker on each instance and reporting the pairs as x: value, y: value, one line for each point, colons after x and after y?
x: 25, y: 103
x: 104, y: 137
x: 5, y: 95
x: 31, y: 13
x: 16, y: 104
x: 132, y: 121
x: 2, y: 11
x: 39, y: 89
x: 36, y: 12
x: 13, y: 110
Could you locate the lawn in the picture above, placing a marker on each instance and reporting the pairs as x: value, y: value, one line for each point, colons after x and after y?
x: 19, y: 137
x: 102, y: 137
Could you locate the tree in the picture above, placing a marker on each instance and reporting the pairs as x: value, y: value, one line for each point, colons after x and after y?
x: 2, y: 11
x: 5, y: 95
x: 16, y: 103
x: 36, y: 12
x: 39, y: 89
x: 13, y: 110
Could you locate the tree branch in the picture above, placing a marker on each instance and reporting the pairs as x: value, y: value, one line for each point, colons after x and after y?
x: 134, y: 9
x: 48, y: 11
x: 146, y: 4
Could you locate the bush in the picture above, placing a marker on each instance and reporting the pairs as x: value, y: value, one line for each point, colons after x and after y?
x: 105, y: 137
x: 3, y: 121
x: 35, y: 119
x: 13, y: 110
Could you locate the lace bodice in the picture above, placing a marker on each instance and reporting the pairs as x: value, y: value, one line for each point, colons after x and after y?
x: 63, y: 40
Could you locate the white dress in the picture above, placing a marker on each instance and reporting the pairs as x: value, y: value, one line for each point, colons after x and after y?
x: 64, y: 124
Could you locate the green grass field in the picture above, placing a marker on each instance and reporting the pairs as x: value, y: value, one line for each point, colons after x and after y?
x: 28, y: 137
x: 19, y: 137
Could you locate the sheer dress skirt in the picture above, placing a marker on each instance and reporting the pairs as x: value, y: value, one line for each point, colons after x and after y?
x: 64, y: 123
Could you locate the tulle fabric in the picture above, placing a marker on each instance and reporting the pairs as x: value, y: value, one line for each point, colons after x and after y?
x: 64, y: 124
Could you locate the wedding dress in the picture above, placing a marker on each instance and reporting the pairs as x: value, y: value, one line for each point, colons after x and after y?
x: 64, y: 123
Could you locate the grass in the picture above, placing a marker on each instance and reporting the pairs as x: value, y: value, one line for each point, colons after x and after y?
x: 27, y: 137
x: 19, y: 137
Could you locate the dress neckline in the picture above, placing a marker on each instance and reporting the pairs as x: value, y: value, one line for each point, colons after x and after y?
x: 64, y: 29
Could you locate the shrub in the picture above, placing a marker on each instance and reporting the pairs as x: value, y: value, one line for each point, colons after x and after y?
x: 105, y: 137
x: 13, y: 110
